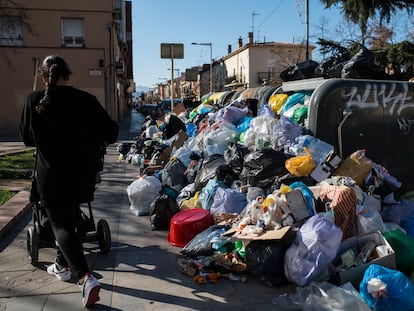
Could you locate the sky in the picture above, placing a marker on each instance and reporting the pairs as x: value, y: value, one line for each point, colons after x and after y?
x: 221, y: 23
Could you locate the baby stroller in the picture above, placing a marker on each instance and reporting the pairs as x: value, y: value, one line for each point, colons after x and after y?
x: 40, y: 234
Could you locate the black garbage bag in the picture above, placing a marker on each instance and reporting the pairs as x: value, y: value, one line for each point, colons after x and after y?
x: 194, y: 167
x: 266, y: 262
x: 226, y: 174
x: 207, y: 170
x: 172, y: 175
x: 261, y: 167
x: 289, y: 179
x: 162, y: 209
x: 302, y: 70
x: 332, y: 66
x: 123, y: 148
x: 200, y: 245
x: 362, y: 66
x: 173, y: 126
x: 234, y: 156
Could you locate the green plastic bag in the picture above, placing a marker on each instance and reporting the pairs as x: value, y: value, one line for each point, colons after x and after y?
x: 403, y: 246
x: 300, y: 114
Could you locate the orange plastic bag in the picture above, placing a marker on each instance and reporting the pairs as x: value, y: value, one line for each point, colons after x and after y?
x: 301, y: 165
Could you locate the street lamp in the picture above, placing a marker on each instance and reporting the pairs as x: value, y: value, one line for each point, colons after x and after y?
x: 176, y: 94
x: 211, y: 62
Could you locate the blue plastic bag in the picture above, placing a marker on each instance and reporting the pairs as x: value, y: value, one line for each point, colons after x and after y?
x: 227, y: 200
x: 207, y: 193
x: 385, y: 289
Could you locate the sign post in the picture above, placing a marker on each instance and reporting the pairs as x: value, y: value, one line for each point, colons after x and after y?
x: 172, y: 50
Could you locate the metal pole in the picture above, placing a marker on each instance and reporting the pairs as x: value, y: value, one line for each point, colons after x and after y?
x: 172, y: 78
x: 211, y: 68
x: 307, y: 29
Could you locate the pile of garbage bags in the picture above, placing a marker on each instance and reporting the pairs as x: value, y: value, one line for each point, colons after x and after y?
x: 262, y: 175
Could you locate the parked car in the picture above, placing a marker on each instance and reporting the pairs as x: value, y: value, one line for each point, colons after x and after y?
x: 148, y: 109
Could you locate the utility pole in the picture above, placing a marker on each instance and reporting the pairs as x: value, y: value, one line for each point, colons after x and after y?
x: 297, y: 4
x: 307, y: 29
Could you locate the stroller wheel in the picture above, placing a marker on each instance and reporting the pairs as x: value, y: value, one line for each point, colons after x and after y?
x: 32, y: 246
x: 104, y: 236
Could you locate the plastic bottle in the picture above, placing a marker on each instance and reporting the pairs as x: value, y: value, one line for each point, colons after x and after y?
x: 318, y: 148
x: 356, y: 165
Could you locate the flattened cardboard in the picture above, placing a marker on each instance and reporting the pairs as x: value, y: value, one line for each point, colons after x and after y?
x: 178, y: 142
x: 285, y: 233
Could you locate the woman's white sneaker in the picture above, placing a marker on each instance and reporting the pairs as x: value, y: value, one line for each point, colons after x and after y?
x: 90, y: 290
x: 62, y: 274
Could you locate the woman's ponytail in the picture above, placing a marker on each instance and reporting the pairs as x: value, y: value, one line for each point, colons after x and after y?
x: 53, y: 68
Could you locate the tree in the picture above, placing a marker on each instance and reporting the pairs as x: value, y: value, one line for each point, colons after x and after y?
x: 10, y: 9
x: 360, y: 11
x: 397, y: 59
x: 381, y: 36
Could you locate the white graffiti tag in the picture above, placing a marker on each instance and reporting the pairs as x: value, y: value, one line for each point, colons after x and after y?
x: 393, y: 100
x: 405, y: 125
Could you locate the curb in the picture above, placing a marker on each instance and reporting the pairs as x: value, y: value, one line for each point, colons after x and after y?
x: 11, y: 211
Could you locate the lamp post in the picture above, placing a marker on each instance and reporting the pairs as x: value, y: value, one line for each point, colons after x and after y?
x: 178, y: 75
x: 211, y: 62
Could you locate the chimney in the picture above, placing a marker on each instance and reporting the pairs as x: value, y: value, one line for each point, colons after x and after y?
x: 229, y: 49
x: 240, y: 42
x: 250, y: 37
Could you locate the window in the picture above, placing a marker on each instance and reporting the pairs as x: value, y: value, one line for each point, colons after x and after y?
x: 73, y: 32
x: 11, y: 30
x: 271, y: 66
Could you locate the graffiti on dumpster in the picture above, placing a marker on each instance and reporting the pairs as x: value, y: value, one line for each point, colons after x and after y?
x: 405, y: 125
x: 393, y: 100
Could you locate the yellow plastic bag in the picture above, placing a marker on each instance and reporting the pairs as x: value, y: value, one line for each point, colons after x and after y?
x: 301, y: 165
x: 277, y: 101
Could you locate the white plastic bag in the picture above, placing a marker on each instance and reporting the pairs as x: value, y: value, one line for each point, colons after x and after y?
x: 260, y: 133
x: 142, y: 192
x: 217, y: 139
x: 369, y: 218
x: 323, y: 296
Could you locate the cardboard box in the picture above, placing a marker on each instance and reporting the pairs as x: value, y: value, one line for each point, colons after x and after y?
x: 325, y: 168
x: 286, y: 234
x: 355, y: 274
x: 297, y: 204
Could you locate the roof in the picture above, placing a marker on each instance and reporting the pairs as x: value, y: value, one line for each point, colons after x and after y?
x: 267, y: 44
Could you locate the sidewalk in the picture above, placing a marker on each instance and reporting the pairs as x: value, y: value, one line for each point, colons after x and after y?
x: 139, y: 273
x: 11, y: 147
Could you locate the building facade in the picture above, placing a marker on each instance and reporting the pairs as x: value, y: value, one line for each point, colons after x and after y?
x: 256, y: 64
x: 94, y: 36
x: 251, y: 65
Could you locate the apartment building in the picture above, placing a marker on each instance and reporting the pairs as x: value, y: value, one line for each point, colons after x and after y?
x: 94, y: 36
x: 257, y: 63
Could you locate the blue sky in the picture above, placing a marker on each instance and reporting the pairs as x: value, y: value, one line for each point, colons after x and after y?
x: 220, y: 22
